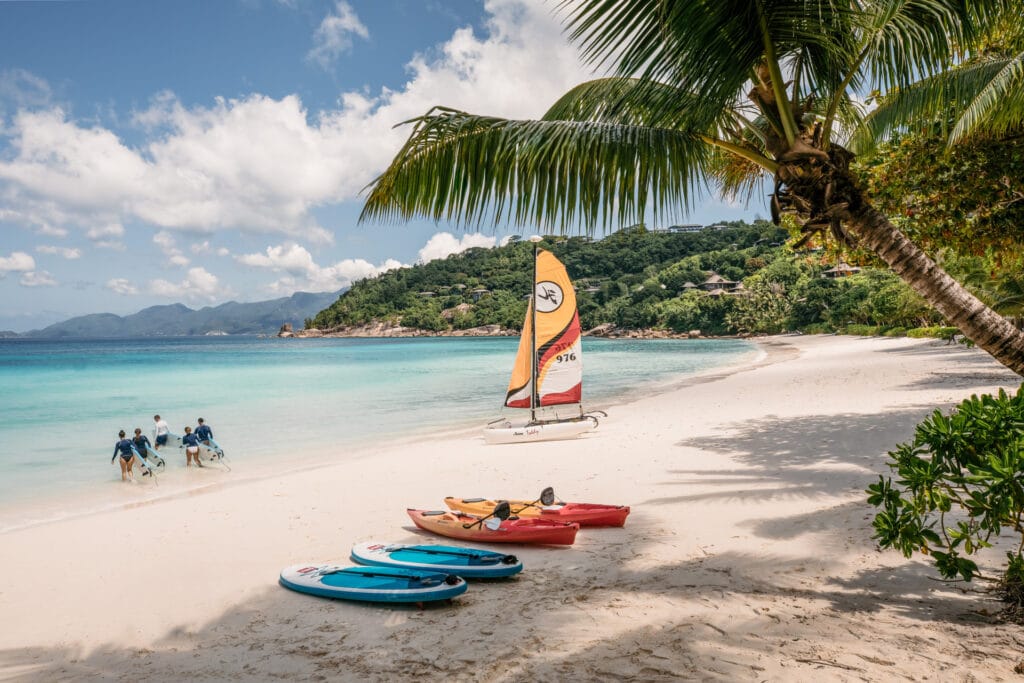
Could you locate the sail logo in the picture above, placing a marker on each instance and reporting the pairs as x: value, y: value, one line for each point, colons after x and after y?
x: 549, y: 296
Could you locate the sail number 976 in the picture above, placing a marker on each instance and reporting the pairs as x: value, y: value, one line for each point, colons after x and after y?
x: 565, y: 358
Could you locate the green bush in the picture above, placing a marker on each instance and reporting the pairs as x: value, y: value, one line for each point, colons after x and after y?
x: 959, y: 484
x: 895, y: 332
x: 816, y: 328
x: 936, y: 332
x: 862, y: 330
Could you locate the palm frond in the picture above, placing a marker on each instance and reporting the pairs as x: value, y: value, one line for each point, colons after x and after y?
x: 998, y: 107
x: 936, y: 98
x: 636, y: 102
x: 473, y: 170
x: 906, y: 40
x: 712, y: 47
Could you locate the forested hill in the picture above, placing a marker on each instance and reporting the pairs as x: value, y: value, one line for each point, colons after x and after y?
x: 640, y: 279
x: 488, y: 286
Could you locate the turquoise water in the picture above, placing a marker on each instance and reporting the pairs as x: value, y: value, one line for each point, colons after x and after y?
x: 62, y: 403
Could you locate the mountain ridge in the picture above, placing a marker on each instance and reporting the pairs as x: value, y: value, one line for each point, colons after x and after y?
x: 178, y: 320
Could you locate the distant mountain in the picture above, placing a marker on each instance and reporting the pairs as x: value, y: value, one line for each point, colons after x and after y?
x: 174, y: 320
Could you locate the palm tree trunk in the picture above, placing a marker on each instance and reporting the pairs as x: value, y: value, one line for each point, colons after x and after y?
x: 963, y: 310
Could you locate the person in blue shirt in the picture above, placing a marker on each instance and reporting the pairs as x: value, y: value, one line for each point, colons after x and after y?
x: 142, y: 445
x: 191, y: 443
x: 204, y: 432
x: 124, y: 448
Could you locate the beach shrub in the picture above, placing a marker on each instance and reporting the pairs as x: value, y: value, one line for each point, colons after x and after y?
x: 862, y: 330
x: 937, y: 332
x: 959, y: 484
x: 895, y: 332
x: 816, y: 328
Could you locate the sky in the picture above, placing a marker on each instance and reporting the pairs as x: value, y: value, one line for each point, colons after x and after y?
x: 203, y: 152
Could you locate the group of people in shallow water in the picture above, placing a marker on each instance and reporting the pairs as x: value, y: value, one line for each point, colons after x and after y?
x: 127, y: 448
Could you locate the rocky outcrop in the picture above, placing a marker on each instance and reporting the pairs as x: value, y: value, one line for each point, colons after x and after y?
x: 610, y: 331
x: 382, y: 329
x: 390, y: 329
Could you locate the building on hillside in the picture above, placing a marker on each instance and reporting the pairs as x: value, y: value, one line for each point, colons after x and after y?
x: 478, y: 293
x: 716, y: 282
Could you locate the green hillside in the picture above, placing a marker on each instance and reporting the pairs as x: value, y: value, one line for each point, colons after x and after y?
x: 640, y: 279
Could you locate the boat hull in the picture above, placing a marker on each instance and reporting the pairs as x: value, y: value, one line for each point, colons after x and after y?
x: 584, y: 514
x: 533, y: 530
x: 506, y: 433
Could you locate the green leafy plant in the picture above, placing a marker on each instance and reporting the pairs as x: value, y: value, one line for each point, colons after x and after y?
x: 938, y: 332
x: 959, y: 484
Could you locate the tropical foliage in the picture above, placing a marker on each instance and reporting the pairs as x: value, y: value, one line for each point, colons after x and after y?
x: 639, y: 279
x: 959, y: 486
x: 729, y: 91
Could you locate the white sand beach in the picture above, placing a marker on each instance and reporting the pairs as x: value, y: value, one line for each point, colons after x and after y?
x: 747, y: 556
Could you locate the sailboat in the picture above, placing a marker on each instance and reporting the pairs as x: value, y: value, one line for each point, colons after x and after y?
x: 548, y: 369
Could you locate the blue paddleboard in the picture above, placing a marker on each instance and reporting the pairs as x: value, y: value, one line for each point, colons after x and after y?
x: 464, y: 562
x: 150, y: 467
x: 372, y: 584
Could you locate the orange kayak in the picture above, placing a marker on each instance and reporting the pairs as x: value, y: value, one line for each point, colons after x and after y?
x: 469, y: 528
x: 584, y: 514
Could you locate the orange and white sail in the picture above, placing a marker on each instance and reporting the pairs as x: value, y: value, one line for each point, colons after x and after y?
x: 556, y: 377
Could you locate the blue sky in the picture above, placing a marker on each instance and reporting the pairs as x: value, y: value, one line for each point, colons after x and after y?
x: 203, y: 152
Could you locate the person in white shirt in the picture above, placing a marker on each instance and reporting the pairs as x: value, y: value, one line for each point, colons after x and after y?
x: 161, y: 432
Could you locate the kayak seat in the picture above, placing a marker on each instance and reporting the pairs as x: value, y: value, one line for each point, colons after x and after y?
x: 473, y: 500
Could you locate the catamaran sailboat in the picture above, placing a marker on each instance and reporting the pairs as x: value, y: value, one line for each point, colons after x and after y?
x: 548, y: 370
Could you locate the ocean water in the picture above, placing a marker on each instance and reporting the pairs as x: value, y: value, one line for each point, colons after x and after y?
x: 271, y: 401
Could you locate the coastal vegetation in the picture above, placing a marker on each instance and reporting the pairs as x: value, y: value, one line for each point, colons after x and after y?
x: 958, y: 487
x: 730, y: 279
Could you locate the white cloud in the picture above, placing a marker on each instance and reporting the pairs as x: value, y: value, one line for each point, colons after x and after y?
x: 223, y: 251
x: 18, y: 261
x: 304, y: 273
x: 121, y: 286
x: 334, y: 35
x: 23, y: 89
x: 107, y: 236
x: 197, y: 168
x: 444, y: 244
x: 198, y: 285
x: 66, y: 252
x: 174, y: 256
x: 38, y: 278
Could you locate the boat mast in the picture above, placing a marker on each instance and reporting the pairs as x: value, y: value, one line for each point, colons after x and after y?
x: 533, y: 334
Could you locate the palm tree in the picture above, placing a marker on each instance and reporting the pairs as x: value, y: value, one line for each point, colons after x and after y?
x: 720, y: 91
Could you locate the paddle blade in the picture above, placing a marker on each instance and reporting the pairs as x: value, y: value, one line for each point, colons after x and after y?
x: 493, y: 523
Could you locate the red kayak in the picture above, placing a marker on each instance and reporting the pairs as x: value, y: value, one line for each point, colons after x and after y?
x: 513, y: 530
x: 584, y: 514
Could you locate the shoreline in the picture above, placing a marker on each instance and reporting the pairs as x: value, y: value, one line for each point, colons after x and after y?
x: 86, y: 500
x: 747, y: 555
